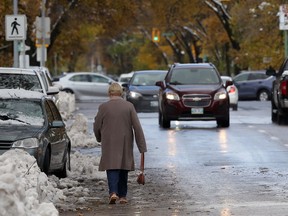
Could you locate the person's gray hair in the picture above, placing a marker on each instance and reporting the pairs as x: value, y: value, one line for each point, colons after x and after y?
x: 115, y: 89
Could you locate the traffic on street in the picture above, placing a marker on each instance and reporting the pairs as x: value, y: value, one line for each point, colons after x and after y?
x: 196, y: 168
x: 130, y: 107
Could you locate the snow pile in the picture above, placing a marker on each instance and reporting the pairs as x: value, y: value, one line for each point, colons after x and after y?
x: 78, y: 133
x: 24, y: 189
x: 66, y: 104
x: 85, y: 166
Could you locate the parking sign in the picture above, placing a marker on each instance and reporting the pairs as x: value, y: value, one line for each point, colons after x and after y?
x: 15, y: 26
x: 283, y: 17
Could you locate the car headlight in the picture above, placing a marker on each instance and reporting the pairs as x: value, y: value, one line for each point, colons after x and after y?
x: 26, y: 143
x: 220, y: 95
x: 134, y: 94
x: 172, y: 96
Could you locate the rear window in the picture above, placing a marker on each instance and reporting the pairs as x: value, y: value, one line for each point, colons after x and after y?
x: 256, y: 76
x: 20, y: 81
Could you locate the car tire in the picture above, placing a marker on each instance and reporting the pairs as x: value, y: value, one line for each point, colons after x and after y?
x: 280, y: 119
x: 163, y: 121
x: 224, y: 122
x: 68, y: 91
x: 263, y: 95
x: 274, y: 112
x: 235, y: 107
x: 66, y: 168
x: 46, y: 162
x: 159, y: 117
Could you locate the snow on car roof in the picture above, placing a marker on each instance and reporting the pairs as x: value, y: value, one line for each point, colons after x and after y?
x: 20, y: 93
x: 16, y: 70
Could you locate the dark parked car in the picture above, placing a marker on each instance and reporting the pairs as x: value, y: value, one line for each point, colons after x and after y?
x: 193, y: 92
x: 31, y: 121
x: 142, y: 91
x: 254, y: 85
x: 279, y: 96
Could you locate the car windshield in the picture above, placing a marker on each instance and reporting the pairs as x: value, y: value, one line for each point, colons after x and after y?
x: 124, y: 79
x: 20, y: 81
x: 147, y: 79
x: 187, y: 76
x: 19, y: 111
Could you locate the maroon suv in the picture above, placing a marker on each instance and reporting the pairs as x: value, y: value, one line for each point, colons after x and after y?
x: 193, y: 92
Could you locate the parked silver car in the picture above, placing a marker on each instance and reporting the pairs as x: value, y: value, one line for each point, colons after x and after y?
x: 85, y: 85
x: 31, y: 121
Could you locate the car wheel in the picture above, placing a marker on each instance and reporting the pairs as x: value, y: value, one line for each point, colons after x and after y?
x: 66, y: 168
x: 280, y: 119
x: 46, y: 164
x: 263, y: 95
x: 235, y: 107
x: 163, y: 121
x: 159, y: 117
x: 224, y: 122
x: 274, y: 112
x: 68, y: 91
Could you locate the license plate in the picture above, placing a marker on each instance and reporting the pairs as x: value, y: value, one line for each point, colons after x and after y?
x: 197, y: 111
x: 153, y: 103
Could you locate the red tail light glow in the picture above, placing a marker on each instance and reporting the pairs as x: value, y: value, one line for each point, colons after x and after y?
x: 232, y: 89
x: 283, y: 87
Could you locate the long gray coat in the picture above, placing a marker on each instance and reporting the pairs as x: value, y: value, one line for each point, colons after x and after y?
x: 115, y: 125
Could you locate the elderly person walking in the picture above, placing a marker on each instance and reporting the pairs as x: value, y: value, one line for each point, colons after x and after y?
x: 115, y: 126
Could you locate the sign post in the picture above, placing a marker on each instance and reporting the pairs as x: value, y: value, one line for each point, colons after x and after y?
x: 283, y: 24
x: 15, y: 42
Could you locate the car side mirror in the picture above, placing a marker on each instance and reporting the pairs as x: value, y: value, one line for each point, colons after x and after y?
x: 52, y: 90
x: 160, y: 84
x: 228, y: 83
x: 271, y: 71
x: 57, y: 85
x: 125, y: 85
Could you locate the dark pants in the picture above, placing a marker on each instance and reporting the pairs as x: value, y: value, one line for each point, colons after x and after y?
x: 117, y: 181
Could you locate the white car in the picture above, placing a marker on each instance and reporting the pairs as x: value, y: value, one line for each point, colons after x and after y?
x: 232, y: 91
x: 85, y: 85
x: 125, y: 78
x: 25, y: 78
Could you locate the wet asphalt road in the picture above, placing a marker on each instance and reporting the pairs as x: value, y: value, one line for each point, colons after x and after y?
x: 240, y: 170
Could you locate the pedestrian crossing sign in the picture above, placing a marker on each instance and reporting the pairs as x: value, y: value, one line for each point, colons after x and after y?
x: 16, y: 27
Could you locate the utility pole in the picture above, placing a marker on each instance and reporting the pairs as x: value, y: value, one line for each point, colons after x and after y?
x: 283, y: 25
x: 43, y: 48
x: 15, y: 42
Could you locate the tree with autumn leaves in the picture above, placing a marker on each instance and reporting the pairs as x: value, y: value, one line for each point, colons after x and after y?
x: 116, y: 34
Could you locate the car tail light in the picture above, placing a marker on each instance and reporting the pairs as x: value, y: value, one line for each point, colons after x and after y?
x: 232, y: 89
x: 283, y: 87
